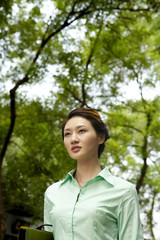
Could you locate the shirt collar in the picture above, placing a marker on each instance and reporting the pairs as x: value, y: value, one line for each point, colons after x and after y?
x: 68, y: 176
x: 105, y: 174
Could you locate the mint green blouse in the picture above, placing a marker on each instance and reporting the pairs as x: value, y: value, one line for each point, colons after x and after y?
x: 105, y: 208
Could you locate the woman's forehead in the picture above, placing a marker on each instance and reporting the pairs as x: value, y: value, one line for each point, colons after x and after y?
x: 77, y: 121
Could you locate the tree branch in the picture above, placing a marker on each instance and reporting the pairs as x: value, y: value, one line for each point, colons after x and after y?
x: 142, y: 175
x: 64, y: 25
x: 12, y: 116
x: 74, y: 95
x: 26, y: 77
x: 134, y: 128
x: 2, y: 211
x: 133, y: 9
x: 82, y: 101
x: 144, y: 154
x: 150, y: 214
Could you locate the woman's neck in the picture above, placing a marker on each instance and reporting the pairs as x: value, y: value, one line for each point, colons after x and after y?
x: 86, y: 171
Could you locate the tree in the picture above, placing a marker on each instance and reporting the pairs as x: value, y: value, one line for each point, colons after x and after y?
x: 32, y: 42
x: 36, y: 147
x: 66, y: 19
x: 132, y: 151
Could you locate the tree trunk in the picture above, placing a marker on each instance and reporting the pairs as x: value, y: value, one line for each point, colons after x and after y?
x: 68, y: 21
x: 151, y: 215
x: 144, y: 149
x: 142, y: 176
x: 2, y: 211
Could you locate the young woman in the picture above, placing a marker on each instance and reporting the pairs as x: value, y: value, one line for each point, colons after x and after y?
x: 90, y: 203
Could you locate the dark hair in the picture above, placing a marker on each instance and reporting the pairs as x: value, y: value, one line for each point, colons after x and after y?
x: 93, y: 116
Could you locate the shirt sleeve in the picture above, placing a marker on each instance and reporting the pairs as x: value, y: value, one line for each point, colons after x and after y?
x: 47, y: 219
x: 129, y: 226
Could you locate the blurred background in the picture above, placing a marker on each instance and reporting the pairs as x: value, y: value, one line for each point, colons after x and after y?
x: 57, y: 55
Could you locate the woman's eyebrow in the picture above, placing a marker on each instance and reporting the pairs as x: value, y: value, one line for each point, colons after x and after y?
x: 68, y: 129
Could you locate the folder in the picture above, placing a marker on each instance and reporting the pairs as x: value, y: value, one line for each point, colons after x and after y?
x: 27, y: 233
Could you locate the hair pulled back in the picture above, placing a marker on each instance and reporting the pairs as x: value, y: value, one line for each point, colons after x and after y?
x: 93, y: 116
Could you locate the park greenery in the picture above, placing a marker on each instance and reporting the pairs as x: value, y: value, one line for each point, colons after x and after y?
x: 90, y: 51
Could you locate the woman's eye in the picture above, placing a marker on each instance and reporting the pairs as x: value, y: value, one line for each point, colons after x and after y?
x: 82, y: 130
x: 66, y: 134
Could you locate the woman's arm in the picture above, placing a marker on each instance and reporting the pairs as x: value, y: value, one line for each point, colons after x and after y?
x: 129, y: 226
x: 47, y: 219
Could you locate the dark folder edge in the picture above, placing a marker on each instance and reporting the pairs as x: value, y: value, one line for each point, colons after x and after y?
x: 24, y: 230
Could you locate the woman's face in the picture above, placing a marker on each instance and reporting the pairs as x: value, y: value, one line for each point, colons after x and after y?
x: 81, y: 139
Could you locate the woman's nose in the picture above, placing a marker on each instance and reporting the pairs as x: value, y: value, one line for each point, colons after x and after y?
x: 74, y: 138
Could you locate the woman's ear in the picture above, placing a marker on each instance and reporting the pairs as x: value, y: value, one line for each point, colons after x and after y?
x: 101, y: 138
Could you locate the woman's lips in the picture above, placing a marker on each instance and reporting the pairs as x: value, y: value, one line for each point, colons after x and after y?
x: 75, y: 149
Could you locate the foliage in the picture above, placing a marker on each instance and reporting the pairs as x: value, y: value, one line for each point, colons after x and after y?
x: 90, y: 50
x: 37, y: 149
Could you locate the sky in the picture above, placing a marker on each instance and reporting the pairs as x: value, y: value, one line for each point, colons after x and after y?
x: 42, y: 90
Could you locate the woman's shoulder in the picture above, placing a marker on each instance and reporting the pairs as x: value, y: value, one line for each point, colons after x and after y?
x: 53, y: 187
x: 117, y: 181
x: 121, y: 183
x: 125, y: 189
